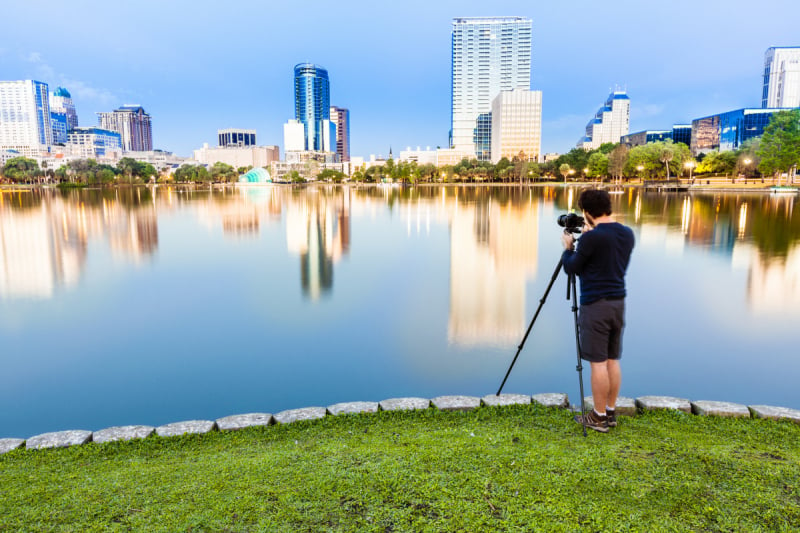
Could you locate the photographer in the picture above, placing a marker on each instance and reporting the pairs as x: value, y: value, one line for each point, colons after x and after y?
x: 600, y: 261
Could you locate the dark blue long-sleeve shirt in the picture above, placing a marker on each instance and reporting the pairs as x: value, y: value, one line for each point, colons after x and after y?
x: 600, y: 261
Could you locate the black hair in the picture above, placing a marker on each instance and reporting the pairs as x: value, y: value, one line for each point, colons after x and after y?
x: 596, y: 202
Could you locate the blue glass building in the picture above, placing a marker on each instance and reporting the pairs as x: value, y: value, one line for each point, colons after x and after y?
x: 728, y: 131
x: 312, y: 104
x: 58, y: 121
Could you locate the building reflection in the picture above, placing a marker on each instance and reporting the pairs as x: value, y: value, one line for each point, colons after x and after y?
x: 46, y: 236
x: 44, y: 239
x: 318, y: 231
x: 493, y: 251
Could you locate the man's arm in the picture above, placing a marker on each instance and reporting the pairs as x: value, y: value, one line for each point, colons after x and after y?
x: 573, y: 261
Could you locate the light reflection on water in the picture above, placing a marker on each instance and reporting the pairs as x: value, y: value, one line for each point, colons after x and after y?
x: 151, y: 305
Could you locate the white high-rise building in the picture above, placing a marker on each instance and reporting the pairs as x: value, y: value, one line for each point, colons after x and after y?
x: 517, y: 125
x: 294, y: 136
x: 781, y: 77
x: 489, y: 55
x: 25, y: 117
x: 610, y: 123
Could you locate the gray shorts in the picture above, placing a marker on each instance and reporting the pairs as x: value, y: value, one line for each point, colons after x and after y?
x: 600, y: 325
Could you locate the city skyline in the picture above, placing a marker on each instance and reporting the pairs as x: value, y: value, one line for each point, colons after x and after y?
x: 391, y: 68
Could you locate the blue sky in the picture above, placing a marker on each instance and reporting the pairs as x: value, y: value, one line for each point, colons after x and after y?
x: 201, y: 66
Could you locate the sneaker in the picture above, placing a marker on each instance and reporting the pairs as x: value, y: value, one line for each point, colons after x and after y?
x: 611, y: 417
x: 593, y: 421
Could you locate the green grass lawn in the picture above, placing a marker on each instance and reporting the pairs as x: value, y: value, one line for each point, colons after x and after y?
x: 520, y: 468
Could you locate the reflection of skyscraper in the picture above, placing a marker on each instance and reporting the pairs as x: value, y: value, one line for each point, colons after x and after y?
x: 38, y: 251
x: 493, y: 251
x: 319, y: 232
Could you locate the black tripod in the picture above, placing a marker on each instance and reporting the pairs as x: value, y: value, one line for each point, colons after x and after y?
x: 579, y: 368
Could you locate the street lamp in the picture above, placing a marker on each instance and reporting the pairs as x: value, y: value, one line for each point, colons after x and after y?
x: 640, y: 168
x: 585, y: 173
x: 746, y: 164
x: 690, y: 166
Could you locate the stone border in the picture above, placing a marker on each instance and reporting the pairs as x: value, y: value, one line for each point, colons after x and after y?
x: 625, y: 407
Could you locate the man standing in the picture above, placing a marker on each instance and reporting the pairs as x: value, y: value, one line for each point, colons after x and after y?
x: 600, y: 261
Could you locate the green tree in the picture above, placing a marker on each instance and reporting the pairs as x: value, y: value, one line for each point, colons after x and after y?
x: 332, y: 175
x: 597, y: 165
x: 617, y: 160
x: 223, y: 172
x: 19, y: 169
x: 565, y: 170
x: 780, y: 144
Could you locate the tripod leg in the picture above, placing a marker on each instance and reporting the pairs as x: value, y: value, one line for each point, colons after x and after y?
x: 579, y: 368
x: 521, y: 344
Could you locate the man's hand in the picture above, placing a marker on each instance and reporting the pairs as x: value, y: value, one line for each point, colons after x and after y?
x: 568, y: 240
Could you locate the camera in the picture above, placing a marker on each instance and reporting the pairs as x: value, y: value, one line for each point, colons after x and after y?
x: 571, y: 222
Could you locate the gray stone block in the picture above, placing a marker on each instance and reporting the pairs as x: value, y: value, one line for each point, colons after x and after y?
x: 186, y: 427
x: 295, y: 415
x: 123, y: 433
x: 775, y: 413
x: 493, y: 400
x: 456, y: 403
x: 349, y: 408
x: 235, y: 422
x: 59, y: 439
x: 726, y: 409
x: 653, y: 403
x: 404, y: 404
x: 6, y: 445
x: 551, y: 399
x: 624, y: 407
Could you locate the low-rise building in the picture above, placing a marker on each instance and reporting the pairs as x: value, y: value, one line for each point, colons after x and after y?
x: 729, y: 130
x: 238, y: 156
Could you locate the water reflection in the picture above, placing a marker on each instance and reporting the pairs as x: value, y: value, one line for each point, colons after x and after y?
x: 494, y: 234
x: 197, y: 298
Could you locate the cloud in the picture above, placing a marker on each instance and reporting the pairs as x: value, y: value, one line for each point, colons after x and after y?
x: 79, y: 89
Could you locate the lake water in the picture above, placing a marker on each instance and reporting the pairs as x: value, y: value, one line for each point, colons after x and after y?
x: 154, y: 305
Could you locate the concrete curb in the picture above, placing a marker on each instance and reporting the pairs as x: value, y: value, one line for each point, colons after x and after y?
x: 625, y: 407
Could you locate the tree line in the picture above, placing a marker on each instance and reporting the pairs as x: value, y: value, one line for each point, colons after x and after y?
x: 773, y: 154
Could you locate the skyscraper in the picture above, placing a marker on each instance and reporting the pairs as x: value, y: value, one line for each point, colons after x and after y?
x: 61, y: 102
x: 610, y: 123
x: 312, y: 104
x: 489, y: 55
x: 781, y: 77
x: 25, y: 117
x: 517, y: 125
x: 133, y: 125
x: 340, y: 117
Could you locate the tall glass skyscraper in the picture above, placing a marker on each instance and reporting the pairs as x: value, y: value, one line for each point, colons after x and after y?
x: 25, y: 117
x: 489, y: 55
x: 312, y: 104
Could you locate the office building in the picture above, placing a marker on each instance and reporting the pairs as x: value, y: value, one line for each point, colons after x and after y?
x: 610, y: 123
x: 236, y: 137
x: 727, y: 131
x: 340, y: 117
x: 25, y: 117
x: 781, y: 77
x: 61, y: 102
x: 682, y: 133
x: 133, y: 125
x: 294, y: 136
x: 641, y: 138
x: 489, y: 55
x: 312, y: 105
x: 95, y: 143
x: 517, y: 125
x: 58, y: 121
x: 238, y: 156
